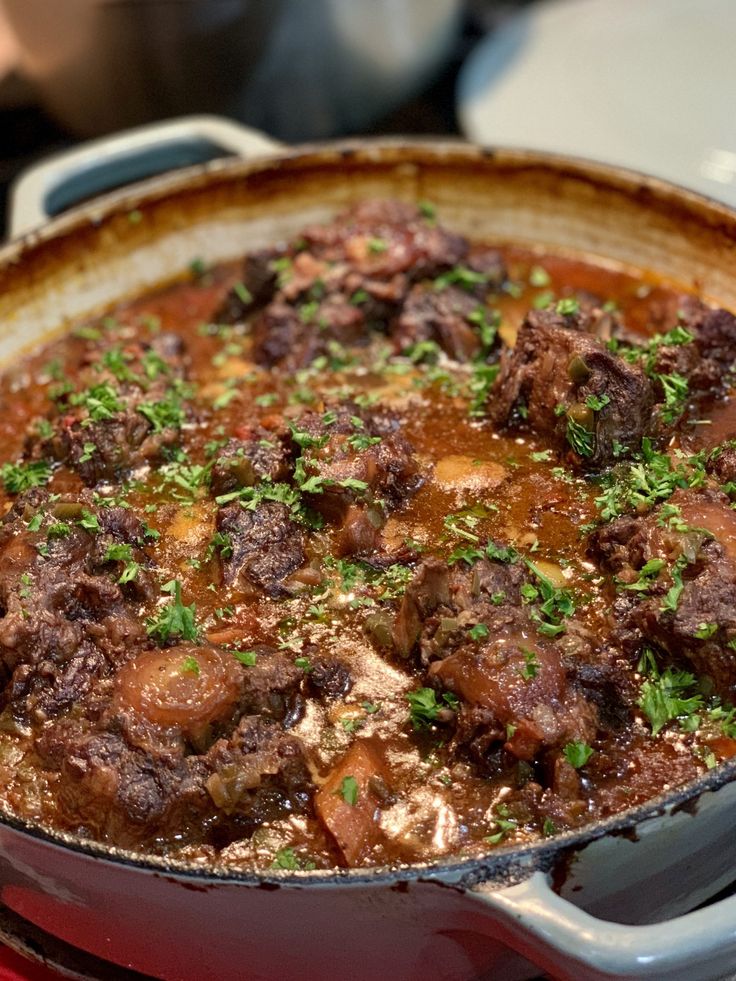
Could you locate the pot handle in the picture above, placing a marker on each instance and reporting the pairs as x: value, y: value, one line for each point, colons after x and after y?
x: 571, y: 944
x: 66, y: 178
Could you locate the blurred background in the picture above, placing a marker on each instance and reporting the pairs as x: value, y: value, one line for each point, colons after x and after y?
x: 649, y: 85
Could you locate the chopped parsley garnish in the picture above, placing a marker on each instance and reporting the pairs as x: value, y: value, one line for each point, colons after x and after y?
x: 117, y: 361
x: 59, y: 529
x: 646, y: 575
x: 190, y: 665
x: 549, y: 828
x: 175, y: 620
x: 556, y: 603
x: 501, y: 553
x: 386, y: 584
x: 424, y: 707
x: 100, y: 401
x: 243, y: 293
x: 651, y: 477
x: 577, y: 754
x: 349, y: 790
x: 288, y: 858
x: 504, y: 822
x: 361, y: 441
x: 90, y: 522
x: 471, y: 554
x: 671, y: 695
x: 377, y: 245
x: 487, y: 323
x: 481, y: 381
x: 427, y: 210
x: 266, y: 400
x: 248, y: 658
x: 88, y: 451
x: 460, y: 276
x: 568, y: 306
x: 478, y: 632
x: 706, y: 630
x: 531, y: 664
x: 19, y: 477
x: 676, y: 390
x: 582, y: 440
x: 165, y: 414
x: 672, y: 597
x: 220, y: 541
x: 187, y: 479
x: 123, y: 553
x: 539, y: 277
x: 597, y: 402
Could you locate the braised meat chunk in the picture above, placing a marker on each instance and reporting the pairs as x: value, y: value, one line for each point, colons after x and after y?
x: 264, y: 455
x: 262, y: 547
x: 347, y: 280
x: 69, y: 609
x: 128, y: 417
x: 676, y: 572
x: 565, y: 386
x: 480, y: 641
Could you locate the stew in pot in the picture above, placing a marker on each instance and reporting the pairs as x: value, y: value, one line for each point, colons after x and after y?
x: 375, y: 547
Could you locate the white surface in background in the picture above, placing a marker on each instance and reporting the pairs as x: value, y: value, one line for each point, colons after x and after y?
x: 647, y: 84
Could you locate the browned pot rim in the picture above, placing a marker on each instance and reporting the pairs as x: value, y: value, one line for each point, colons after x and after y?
x: 56, y: 240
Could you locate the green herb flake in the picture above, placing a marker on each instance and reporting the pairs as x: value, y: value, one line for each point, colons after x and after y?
x: 531, y: 664
x: 174, y: 620
x: 549, y: 828
x: 428, y: 210
x: 167, y: 413
x: 377, y: 245
x: 597, y: 402
x: 88, y: 451
x: 89, y: 521
x: 243, y: 293
x: 671, y: 695
x: 287, y: 858
x: 478, y: 632
x: 100, y: 401
x: 19, y: 477
x: 568, y: 306
x: 190, y: 665
x: 577, y: 754
x: 504, y: 822
x: 706, y: 630
x: 582, y: 440
x: 539, y: 277
x: 646, y: 575
x: 248, y: 658
x: 349, y: 790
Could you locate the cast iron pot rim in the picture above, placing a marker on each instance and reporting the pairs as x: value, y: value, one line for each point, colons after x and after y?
x: 503, y: 863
